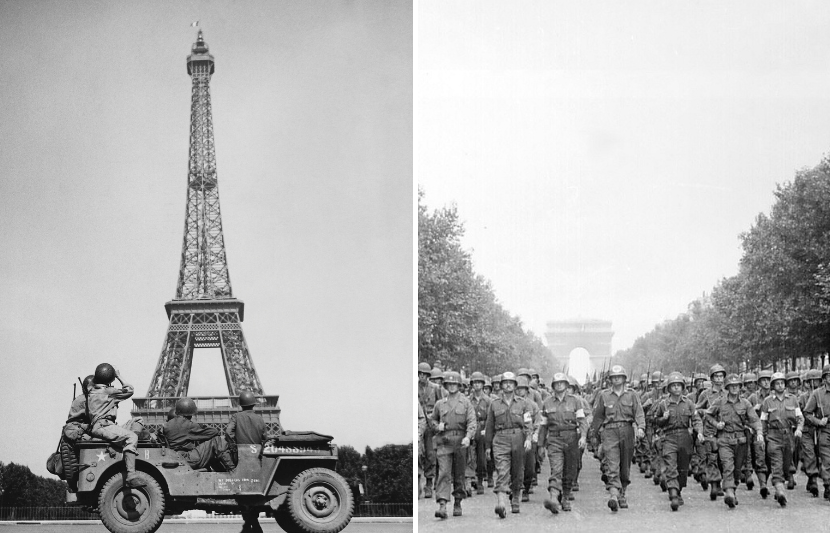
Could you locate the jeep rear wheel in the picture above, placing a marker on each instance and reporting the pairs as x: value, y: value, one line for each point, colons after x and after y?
x: 319, y: 501
x: 131, y: 510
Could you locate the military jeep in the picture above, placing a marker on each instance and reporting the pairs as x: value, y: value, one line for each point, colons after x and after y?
x: 292, y: 479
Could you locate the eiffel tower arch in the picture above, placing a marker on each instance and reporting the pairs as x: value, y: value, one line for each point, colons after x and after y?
x: 564, y: 337
x: 204, y: 312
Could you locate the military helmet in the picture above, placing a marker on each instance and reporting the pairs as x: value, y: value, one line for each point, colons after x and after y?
x: 452, y: 377
x: 439, y: 365
x: 509, y: 376
x: 715, y: 369
x: 104, y: 374
x: 523, y: 381
x: 656, y: 376
x: 676, y: 377
x: 732, y: 379
x: 617, y: 370
x: 88, y: 382
x: 533, y: 373
x: 825, y: 371
x: 688, y: 381
x: 764, y: 374
x: 523, y: 372
x: 749, y: 377
x: 424, y: 368
x: 436, y: 373
x: 559, y: 376
x: 246, y: 398
x: 572, y: 382
x: 643, y: 377
x: 778, y: 376
x: 487, y: 382
x: 186, y: 407
x: 793, y: 374
x: 171, y: 414
x: 478, y: 376
x: 814, y: 373
x: 635, y: 384
x: 699, y: 376
x: 496, y: 379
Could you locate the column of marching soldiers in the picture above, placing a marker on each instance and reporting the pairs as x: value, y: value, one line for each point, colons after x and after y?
x: 723, y: 429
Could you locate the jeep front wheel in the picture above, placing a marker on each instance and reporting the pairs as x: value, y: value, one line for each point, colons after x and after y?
x: 319, y: 501
x: 131, y: 510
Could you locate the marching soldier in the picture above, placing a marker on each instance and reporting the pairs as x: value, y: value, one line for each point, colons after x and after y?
x: 757, y: 449
x: 522, y: 391
x: 454, y: 422
x: 779, y: 414
x: 717, y: 374
x: 428, y: 395
x: 573, y: 388
x: 794, y: 387
x: 481, y: 403
x: 563, y: 433
x: 677, y: 417
x: 816, y: 410
x: 617, y: 412
x: 809, y: 437
x: 750, y: 385
x: 509, y: 434
x: 730, y: 414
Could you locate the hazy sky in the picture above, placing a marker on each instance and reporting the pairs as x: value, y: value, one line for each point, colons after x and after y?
x: 605, y: 156
x: 312, y: 109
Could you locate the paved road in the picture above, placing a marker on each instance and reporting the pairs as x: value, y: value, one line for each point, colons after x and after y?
x: 649, y: 510
x: 194, y: 527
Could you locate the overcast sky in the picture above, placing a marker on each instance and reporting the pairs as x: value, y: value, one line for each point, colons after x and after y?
x: 312, y: 109
x: 605, y: 156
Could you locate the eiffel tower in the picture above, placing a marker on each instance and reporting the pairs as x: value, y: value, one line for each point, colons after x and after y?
x: 204, y: 313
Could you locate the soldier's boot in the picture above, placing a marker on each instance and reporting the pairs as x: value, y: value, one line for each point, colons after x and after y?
x: 526, y: 495
x: 575, y: 487
x: 567, y: 498
x: 490, y: 481
x: 826, y: 492
x: 468, y: 491
x: 750, y: 483
x: 812, y: 485
x: 442, y: 510
x: 704, y: 481
x: 680, y: 496
x: 613, y: 502
x: 621, y: 499
x: 730, y: 498
x: 551, y: 503
x: 480, y: 485
x: 762, y: 482
x: 649, y: 473
x: 456, y: 508
x: 720, y: 489
x: 428, y: 489
x: 514, y: 502
x: 663, y: 486
x: 673, y: 498
x: 132, y: 480
x: 713, y: 490
x: 779, y: 494
x: 500, y: 504
x: 790, y: 481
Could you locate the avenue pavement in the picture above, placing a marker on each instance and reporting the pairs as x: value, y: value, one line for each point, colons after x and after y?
x: 648, y: 510
x: 200, y: 527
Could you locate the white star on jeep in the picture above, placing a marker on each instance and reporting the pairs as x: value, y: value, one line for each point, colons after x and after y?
x: 102, y: 456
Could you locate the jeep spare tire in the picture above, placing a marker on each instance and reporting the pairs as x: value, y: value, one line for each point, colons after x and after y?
x: 319, y: 501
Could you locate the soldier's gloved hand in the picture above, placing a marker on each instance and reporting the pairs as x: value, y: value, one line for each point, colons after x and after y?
x: 528, y: 446
x: 465, y: 442
x: 488, y: 451
x: 482, y: 432
x: 640, y: 433
x: 535, y: 437
x: 582, y: 442
x: 700, y: 438
x: 441, y: 426
x: 760, y: 438
x: 823, y: 421
x: 666, y: 415
x: 721, y: 425
x: 797, y: 434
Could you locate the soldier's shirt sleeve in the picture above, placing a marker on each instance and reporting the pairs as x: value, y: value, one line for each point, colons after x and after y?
x: 230, y: 430
x: 123, y: 393
x: 527, y: 419
x: 422, y: 422
x: 489, y: 426
x: 697, y: 421
x: 639, y: 414
x: 472, y: 422
x: 599, y: 413
x: 200, y: 433
x: 811, y: 407
x: 752, y: 417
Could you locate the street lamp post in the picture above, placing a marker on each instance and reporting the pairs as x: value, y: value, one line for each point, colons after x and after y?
x: 365, y: 482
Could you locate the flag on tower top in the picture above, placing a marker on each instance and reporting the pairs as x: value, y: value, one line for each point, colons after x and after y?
x: 194, y: 24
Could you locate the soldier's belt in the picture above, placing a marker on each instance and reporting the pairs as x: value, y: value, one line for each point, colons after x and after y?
x: 616, y: 424
x: 778, y: 428
x: 454, y: 432
x: 509, y: 431
x: 560, y: 431
x: 671, y: 430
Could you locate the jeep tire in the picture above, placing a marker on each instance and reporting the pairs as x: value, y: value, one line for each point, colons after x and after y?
x: 318, y: 501
x: 70, y: 464
x: 131, y: 510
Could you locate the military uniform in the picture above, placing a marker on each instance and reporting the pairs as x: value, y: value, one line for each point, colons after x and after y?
x: 103, y: 409
x: 509, y: 425
x: 779, y: 415
x: 481, y: 405
x: 428, y: 394
x: 459, y: 419
x: 816, y: 411
x: 758, y: 449
x: 710, y: 448
x: 563, y: 424
x: 677, y: 433
x: 197, y: 443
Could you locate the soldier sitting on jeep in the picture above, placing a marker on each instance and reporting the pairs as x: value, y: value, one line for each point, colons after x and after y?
x: 198, y: 444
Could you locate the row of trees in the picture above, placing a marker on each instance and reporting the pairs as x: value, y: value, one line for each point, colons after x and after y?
x: 460, y: 321
x: 775, y: 312
x: 19, y: 487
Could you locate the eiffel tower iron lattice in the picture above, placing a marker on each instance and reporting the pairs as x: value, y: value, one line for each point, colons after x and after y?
x: 204, y: 313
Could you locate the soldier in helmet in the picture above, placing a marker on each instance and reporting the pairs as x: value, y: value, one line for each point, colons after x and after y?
x: 247, y: 426
x: 77, y: 422
x: 509, y: 433
x: 200, y: 445
x: 522, y: 389
x: 717, y: 375
x: 730, y: 414
x: 454, y: 421
x: 793, y: 381
x: 564, y: 433
x: 574, y: 389
x: 496, y: 383
x: 809, y: 437
x: 428, y: 395
x: 779, y: 414
x: 816, y: 411
x: 481, y: 403
x: 103, y: 408
x: 757, y: 449
x: 618, y: 416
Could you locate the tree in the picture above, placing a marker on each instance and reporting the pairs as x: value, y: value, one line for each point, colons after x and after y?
x: 389, y: 473
x: 349, y: 465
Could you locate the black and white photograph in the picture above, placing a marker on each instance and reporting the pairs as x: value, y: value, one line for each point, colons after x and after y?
x: 228, y: 362
x: 623, y: 250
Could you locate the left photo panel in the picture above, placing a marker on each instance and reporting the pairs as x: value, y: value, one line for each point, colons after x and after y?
x: 237, y: 359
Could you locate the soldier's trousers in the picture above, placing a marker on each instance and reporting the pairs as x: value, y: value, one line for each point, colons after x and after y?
x: 429, y: 454
x: 758, y: 455
x: 530, y: 465
x: 796, y: 455
x: 712, y: 467
x: 509, y: 455
x: 698, y: 463
x: 732, y: 454
x: 824, y: 453
x: 452, y: 461
x: 470, y: 470
x: 618, y: 448
x: 563, y: 454
x: 809, y: 451
x: 481, y: 457
x: 779, y: 453
x: 110, y: 431
x: 207, y: 451
x: 676, y: 456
